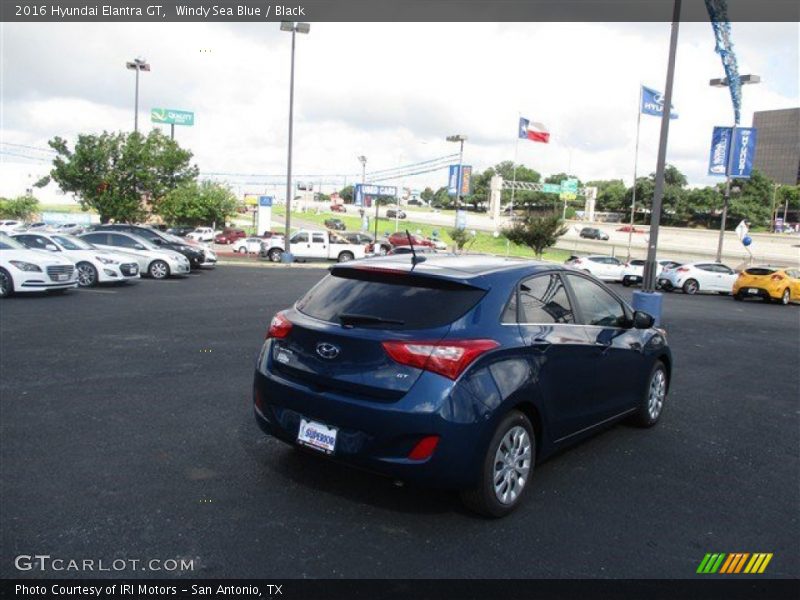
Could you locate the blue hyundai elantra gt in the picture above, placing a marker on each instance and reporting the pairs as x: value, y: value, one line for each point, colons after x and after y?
x: 457, y: 372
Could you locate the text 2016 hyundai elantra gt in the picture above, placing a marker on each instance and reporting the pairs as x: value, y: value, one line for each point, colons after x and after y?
x: 457, y: 372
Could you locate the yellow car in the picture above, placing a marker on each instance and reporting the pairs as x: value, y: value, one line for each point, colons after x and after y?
x: 768, y: 283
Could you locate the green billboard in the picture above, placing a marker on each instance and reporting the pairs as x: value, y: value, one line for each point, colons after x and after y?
x: 169, y: 116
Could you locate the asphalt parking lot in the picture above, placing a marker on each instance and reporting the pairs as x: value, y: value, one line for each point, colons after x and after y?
x: 126, y: 431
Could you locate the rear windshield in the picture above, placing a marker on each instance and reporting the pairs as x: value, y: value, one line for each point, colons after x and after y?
x: 760, y: 271
x: 392, y: 301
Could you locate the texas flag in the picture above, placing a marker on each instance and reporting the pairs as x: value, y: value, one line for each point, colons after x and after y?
x: 536, y: 132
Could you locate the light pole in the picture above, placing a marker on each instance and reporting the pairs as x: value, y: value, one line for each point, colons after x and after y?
x: 294, y: 28
x: 363, y: 160
x: 743, y: 79
x: 461, y: 138
x: 137, y: 64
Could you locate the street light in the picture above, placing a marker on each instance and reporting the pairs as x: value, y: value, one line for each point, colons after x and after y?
x: 294, y: 28
x: 137, y: 64
x: 723, y: 82
x: 363, y: 160
x: 460, y: 138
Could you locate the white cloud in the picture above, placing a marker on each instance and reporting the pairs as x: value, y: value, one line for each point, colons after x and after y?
x: 392, y: 91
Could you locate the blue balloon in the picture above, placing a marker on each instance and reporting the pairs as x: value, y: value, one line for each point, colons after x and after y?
x: 747, y: 241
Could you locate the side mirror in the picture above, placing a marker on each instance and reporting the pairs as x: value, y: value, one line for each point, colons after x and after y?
x: 157, y: 241
x: 138, y: 246
x: 642, y: 320
x: 51, y: 247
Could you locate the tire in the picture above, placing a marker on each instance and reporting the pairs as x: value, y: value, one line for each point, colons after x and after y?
x: 242, y: 250
x: 87, y: 275
x: 655, y: 394
x: 275, y: 255
x: 511, y: 454
x: 738, y: 297
x: 6, y: 284
x: 158, y: 269
x: 786, y: 297
x: 691, y: 287
x: 345, y: 257
x: 626, y: 282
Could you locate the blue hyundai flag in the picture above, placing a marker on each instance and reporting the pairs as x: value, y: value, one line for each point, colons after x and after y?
x: 653, y: 103
x: 720, y: 149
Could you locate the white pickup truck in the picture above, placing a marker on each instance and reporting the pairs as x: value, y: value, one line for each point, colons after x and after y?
x: 313, y: 244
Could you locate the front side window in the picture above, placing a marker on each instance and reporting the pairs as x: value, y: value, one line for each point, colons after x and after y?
x: 300, y: 238
x: 96, y: 238
x: 122, y: 241
x: 597, y: 306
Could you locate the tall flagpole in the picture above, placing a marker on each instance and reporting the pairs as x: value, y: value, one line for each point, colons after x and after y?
x: 514, y: 182
x: 514, y: 176
x: 635, y: 168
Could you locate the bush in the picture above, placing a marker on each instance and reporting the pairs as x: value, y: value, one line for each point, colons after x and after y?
x: 537, y: 232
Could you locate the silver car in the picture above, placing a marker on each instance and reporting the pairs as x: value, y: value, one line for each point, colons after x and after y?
x: 158, y: 263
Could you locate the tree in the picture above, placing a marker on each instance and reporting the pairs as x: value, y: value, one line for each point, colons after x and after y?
x: 611, y: 196
x: 538, y: 232
x: 346, y: 194
x: 441, y: 199
x: 116, y: 173
x: 198, y: 204
x: 460, y: 237
x: 427, y: 194
x: 21, y: 208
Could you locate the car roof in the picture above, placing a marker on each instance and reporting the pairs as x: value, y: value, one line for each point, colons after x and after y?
x: 461, y: 267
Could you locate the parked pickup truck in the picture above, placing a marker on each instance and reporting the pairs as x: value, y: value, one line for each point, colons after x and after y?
x: 312, y: 244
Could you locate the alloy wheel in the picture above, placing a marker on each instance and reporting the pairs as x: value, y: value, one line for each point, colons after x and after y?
x: 87, y: 276
x: 655, y: 397
x: 158, y: 270
x: 5, y: 284
x: 512, y: 464
x: 786, y: 297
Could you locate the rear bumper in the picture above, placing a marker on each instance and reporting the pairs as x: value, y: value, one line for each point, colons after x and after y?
x: 374, y: 436
x: 751, y: 291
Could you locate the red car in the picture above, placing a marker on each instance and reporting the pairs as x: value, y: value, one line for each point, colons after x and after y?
x: 228, y: 236
x: 401, y: 239
x: 338, y: 208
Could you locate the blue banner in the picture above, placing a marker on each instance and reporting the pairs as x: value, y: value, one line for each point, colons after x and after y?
x: 452, y: 180
x: 720, y: 148
x: 459, y: 181
x: 265, y: 200
x: 744, y: 152
x: 653, y: 103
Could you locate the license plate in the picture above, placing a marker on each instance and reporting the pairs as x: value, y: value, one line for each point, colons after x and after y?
x: 752, y: 291
x: 317, y: 436
x: 62, y: 277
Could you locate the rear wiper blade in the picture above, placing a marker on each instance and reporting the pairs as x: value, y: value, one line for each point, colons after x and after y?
x: 352, y: 319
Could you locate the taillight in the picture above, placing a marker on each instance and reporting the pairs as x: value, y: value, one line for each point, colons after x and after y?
x: 682, y: 270
x: 448, y: 358
x: 777, y: 277
x: 280, y: 327
x: 424, y: 448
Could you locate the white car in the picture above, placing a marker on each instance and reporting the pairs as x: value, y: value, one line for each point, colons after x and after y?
x: 69, y: 228
x: 699, y: 277
x: 10, y: 226
x: 158, y: 263
x: 25, y: 270
x: 633, y: 272
x: 315, y: 244
x: 439, y: 244
x: 606, y: 268
x: 201, y: 234
x: 94, y: 265
x: 251, y: 245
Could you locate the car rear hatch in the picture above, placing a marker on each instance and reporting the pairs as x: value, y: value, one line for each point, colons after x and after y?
x: 757, y: 276
x: 335, y: 340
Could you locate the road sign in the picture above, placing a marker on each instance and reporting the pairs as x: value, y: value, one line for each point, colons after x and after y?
x: 569, y: 186
x: 169, y: 116
x: 551, y: 188
x: 568, y: 196
x: 265, y: 200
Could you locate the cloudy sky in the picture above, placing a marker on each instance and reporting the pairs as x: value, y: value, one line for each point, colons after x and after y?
x: 390, y: 91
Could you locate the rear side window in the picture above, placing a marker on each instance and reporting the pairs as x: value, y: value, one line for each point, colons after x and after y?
x: 96, y: 238
x: 389, y: 301
x: 760, y: 271
x: 597, y: 306
x: 637, y: 263
x: 542, y: 299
